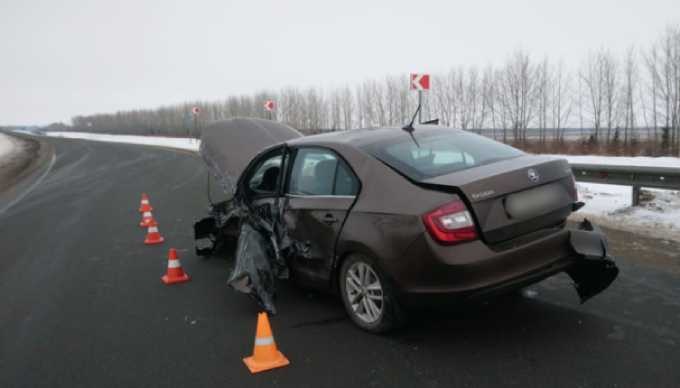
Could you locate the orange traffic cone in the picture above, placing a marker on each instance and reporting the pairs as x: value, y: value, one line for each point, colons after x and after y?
x: 147, y: 219
x: 145, y: 205
x: 265, y: 354
x: 175, y: 272
x: 153, y: 236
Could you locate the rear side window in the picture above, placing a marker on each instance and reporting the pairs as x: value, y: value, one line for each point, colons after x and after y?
x: 318, y: 171
x: 439, y: 152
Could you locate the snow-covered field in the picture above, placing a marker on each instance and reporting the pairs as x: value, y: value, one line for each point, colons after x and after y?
x: 170, y: 142
x: 610, y: 205
x: 641, y: 161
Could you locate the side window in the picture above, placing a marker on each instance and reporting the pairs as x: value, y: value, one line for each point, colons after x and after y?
x: 345, y: 181
x: 318, y: 171
x: 265, y: 178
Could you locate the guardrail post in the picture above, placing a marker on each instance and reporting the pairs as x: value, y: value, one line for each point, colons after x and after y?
x: 636, y: 196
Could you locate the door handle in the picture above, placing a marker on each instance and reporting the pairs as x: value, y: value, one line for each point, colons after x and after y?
x: 329, y: 219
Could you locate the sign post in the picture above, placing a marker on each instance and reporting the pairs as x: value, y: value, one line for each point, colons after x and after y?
x: 420, y: 82
x: 195, y: 111
x: 270, y: 106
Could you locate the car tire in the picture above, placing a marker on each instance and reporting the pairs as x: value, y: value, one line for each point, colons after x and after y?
x: 373, y: 304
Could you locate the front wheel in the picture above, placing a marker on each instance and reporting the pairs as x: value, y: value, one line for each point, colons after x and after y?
x: 368, y: 296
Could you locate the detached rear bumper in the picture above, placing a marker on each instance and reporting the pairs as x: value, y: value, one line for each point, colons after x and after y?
x: 593, y: 269
x: 581, y: 252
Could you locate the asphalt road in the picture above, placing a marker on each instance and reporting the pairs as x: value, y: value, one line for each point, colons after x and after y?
x: 82, y: 305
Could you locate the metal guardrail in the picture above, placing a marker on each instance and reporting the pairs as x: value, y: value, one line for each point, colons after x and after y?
x: 637, y: 177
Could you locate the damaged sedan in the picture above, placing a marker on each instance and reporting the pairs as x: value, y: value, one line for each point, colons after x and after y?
x: 385, y: 217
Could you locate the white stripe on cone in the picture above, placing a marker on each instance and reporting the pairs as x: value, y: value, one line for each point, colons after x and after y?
x: 174, y: 264
x: 145, y: 202
x: 153, y: 229
x: 264, y: 341
x: 147, y: 215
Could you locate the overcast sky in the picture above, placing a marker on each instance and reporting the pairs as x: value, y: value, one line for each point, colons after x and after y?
x: 68, y: 57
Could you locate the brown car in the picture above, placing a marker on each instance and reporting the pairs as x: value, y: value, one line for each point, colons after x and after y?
x: 383, y: 216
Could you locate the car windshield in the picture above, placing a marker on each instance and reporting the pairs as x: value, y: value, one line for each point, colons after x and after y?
x: 439, y: 152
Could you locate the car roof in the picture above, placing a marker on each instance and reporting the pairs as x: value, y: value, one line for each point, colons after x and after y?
x: 363, y: 137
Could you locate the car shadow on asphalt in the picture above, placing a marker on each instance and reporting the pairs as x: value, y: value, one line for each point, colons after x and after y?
x: 519, y: 316
x: 511, y: 318
x: 508, y: 317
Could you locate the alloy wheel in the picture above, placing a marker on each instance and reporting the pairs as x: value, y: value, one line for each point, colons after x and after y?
x: 364, y: 292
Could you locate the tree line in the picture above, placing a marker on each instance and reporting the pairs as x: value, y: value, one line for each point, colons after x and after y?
x: 613, y: 99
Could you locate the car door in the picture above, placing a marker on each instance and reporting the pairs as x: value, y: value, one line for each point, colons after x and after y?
x: 262, y: 183
x: 320, y: 190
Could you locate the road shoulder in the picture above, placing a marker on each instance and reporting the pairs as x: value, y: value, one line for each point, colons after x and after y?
x: 21, y: 164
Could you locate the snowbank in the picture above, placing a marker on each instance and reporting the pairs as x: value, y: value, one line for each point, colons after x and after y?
x: 657, y: 216
x: 610, y: 205
x: 7, y: 146
x: 171, y: 142
x: 640, y: 161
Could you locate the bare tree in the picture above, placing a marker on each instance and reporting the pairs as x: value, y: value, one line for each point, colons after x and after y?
x: 489, y: 90
x: 628, y: 94
x: 592, y: 76
x: 542, y: 98
x: 641, y: 88
x: 561, y: 101
x: 518, y: 89
x: 609, y: 68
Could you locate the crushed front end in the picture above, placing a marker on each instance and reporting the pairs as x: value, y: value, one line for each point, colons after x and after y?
x: 262, y: 249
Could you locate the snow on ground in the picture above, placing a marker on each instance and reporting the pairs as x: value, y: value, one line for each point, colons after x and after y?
x: 171, y: 142
x: 7, y: 146
x: 642, y: 161
x: 193, y: 145
x: 610, y: 205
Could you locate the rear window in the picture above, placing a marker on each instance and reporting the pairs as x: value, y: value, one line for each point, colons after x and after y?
x: 439, y: 152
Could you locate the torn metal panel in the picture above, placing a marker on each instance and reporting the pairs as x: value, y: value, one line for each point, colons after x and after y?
x: 262, y: 250
x: 210, y: 233
x: 594, y: 270
x: 254, y: 271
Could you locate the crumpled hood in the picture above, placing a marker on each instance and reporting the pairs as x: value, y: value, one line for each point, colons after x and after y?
x: 228, y: 146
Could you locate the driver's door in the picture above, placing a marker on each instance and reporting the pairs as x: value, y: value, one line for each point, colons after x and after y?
x: 262, y: 183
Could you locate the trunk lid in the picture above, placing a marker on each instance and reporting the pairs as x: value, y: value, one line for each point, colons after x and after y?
x: 514, y: 197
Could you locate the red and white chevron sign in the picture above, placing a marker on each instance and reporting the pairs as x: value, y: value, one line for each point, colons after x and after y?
x: 420, y: 81
x: 269, y: 105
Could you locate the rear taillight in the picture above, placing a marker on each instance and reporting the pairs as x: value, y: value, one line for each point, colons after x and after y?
x: 450, y: 224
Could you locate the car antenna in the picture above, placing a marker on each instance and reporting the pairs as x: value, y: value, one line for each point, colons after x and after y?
x: 409, y: 128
